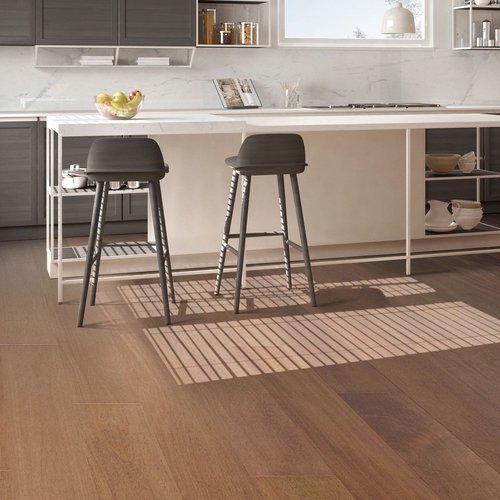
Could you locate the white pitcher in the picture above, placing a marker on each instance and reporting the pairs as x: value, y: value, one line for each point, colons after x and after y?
x: 438, y: 215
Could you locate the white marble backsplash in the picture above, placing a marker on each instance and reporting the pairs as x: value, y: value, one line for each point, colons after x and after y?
x: 327, y: 76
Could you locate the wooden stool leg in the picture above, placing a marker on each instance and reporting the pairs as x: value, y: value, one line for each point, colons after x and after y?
x: 227, y: 229
x: 164, y: 240
x: 241, y: 246
x: 284, y: 230
x: 90, y: 250
x: 159, y: 249
x: 303, y: 237
x: 98, y: 247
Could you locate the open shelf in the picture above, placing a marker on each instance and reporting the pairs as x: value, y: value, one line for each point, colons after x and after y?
x: 117, y: 250
x: 467, y: 25
x: 236, y: 11
x: 63, y: 56
x: 481, y: 228
x: 457, y: 175
x: 90, y: 191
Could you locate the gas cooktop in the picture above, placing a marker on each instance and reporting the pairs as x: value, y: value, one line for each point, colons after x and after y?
x: 373, y: 105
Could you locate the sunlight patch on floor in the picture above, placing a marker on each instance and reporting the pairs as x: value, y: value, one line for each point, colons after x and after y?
x: 262, y: 292
x: 196, y: 353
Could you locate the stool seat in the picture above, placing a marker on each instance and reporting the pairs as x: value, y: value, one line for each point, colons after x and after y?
x: 126, y: 159
x: 266, y: 168
x: 265, y: 154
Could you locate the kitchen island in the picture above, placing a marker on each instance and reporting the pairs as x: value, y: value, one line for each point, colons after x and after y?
x: 363, y: 192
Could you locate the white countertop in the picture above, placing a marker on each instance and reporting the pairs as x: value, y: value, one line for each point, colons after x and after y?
x: 163, y: 123
x: 210, y: 123
x: 370, y: 121
x: 30, y: 115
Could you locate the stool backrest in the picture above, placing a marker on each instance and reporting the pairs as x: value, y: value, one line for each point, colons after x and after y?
x: 272, y: 149
x: 122, y: 155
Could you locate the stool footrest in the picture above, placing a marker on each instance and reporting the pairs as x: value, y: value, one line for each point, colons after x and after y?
x: 295, y: 245
x: 231, y: 249
x: 257, y: 235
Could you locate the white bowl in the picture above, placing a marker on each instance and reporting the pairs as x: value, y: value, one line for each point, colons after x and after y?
x: 465, y: 204
x: 441, y: 163
x: 467, y: 167
x: 467, y: 223
x: 482, y: 3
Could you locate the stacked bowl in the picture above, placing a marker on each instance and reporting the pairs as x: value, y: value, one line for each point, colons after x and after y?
x: 467, y: 162
x: 467, y: 214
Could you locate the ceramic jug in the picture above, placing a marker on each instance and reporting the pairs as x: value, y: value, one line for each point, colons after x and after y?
x: 438, y: 215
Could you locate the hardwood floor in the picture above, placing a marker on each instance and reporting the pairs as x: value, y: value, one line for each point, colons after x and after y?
x: 99, y: 412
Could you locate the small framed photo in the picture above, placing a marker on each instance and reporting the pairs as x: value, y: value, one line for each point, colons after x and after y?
x: 237, y: 93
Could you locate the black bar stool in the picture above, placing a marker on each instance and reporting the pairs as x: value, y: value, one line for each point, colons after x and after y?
x: 266, y: 154
x: 126, y: 159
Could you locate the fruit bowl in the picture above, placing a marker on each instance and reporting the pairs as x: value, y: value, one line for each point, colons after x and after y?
x: 441, y: 163
x: 119, y: 106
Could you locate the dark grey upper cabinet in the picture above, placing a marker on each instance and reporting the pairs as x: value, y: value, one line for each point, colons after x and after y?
x: 157, y: 22
x: 77, y: 22
x: 18, y: 174
x: 17, y: 22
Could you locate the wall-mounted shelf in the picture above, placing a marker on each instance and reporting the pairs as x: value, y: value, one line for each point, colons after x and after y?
x: 64, y: 56
x: 467, y: 25
x: 236, y: 11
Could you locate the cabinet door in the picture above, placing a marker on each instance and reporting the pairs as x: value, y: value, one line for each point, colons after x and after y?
x: 157, y: 22
x: 458, y: 141
x: 77, y: 22
x: 18, y: 174
x: 17, y: 22
x: 492, y: 162
x: 135, y: 207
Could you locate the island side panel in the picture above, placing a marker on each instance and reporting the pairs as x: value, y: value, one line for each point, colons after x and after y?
x: 353, y: 190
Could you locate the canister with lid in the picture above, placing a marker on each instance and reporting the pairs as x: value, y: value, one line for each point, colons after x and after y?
x: 248, y: 33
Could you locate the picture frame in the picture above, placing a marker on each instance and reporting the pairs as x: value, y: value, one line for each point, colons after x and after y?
x: 237, y: 93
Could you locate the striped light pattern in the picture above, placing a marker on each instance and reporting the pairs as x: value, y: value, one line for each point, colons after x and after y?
x: 262, y: 292
x: 210, y: 352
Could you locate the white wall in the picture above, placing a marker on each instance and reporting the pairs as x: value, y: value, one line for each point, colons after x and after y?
x: 327, y: 75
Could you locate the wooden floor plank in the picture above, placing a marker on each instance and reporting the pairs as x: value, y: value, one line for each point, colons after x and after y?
x: 5, y: 486
x: 452, y: 469
x: 202, y: 460
x: 37, y: 431
x: 471, y: 417
x: 303, y: 488
x: 123, y: 455
x: 478, y: 367
x: 355, y: 453
x: 266, y: 441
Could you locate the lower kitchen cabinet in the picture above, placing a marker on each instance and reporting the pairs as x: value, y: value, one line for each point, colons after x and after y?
x: 78, y: 209
x: 18, y: 174
x: 491, y: 148
x: 23, y: 183
x: 135, y: 206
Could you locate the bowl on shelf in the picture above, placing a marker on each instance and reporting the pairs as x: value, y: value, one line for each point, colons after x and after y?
x: 441, y: 163
x: 467, y: 162
x: 467, y: 213
x: 468, y: 222
x: 119, y: 106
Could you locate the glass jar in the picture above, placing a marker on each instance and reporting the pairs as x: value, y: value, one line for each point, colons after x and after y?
x: 248, y: 33
x: 224, y: 37
x: 231, y: 28
x: 207, y: 24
